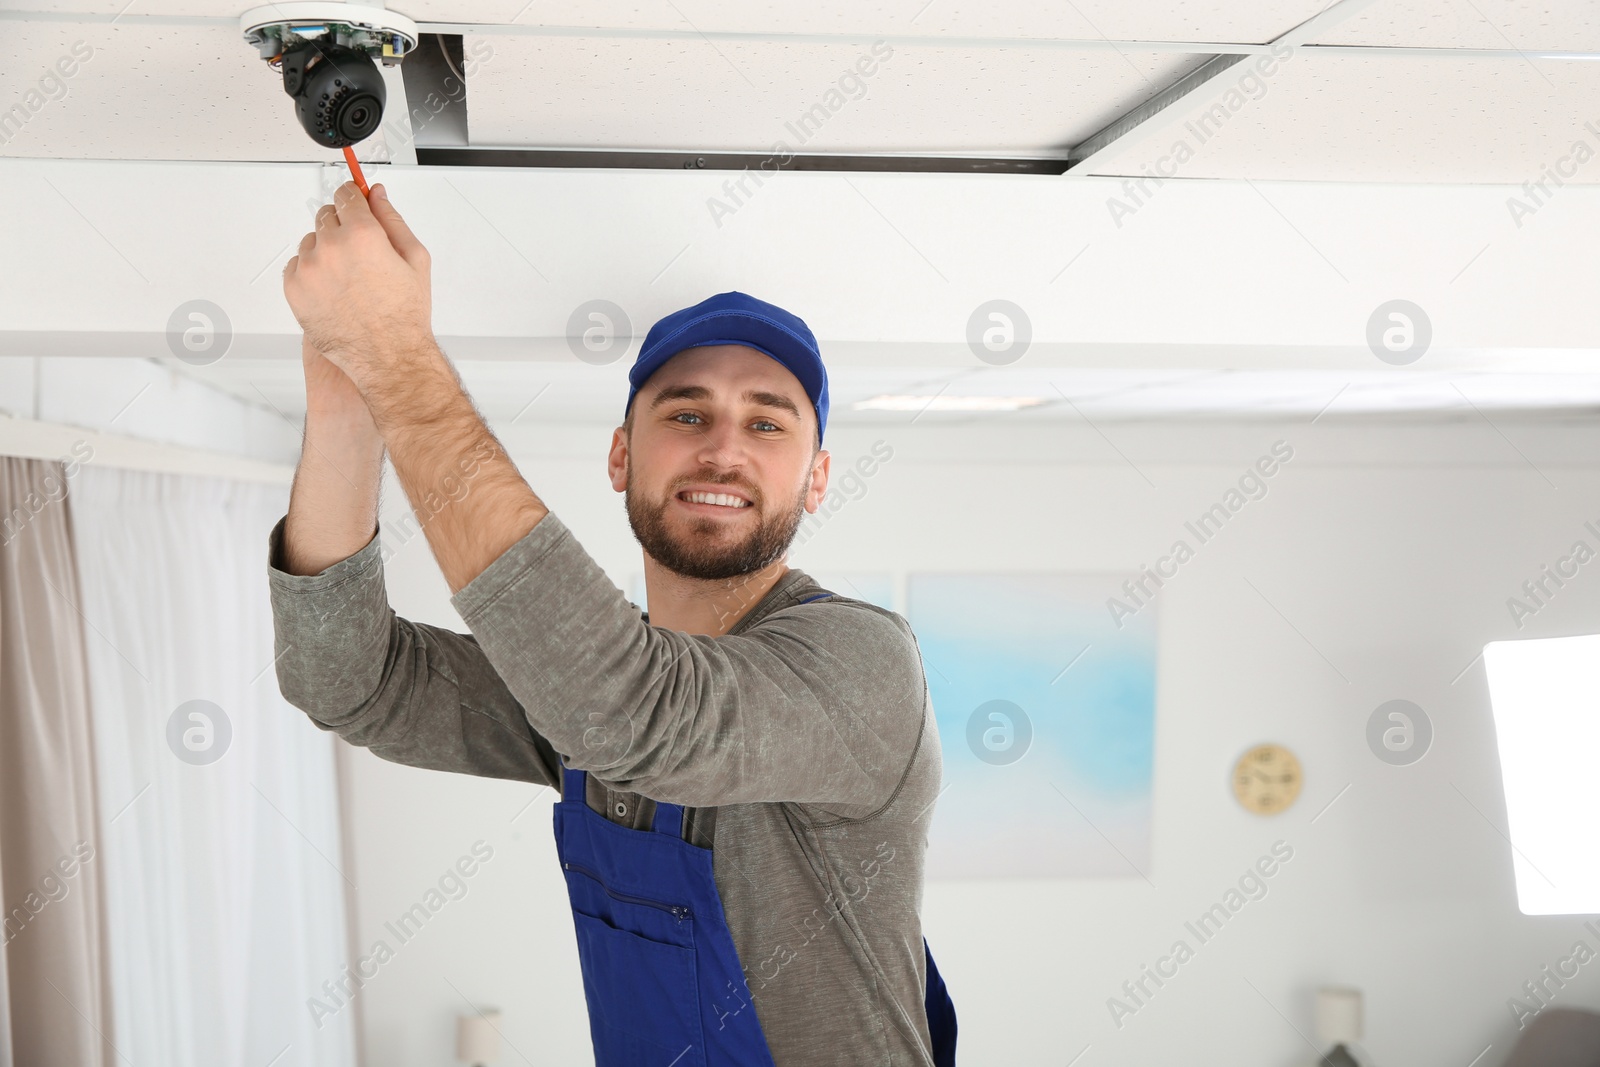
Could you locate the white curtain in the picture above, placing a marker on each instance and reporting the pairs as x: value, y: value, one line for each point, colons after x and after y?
x: 224, y: 879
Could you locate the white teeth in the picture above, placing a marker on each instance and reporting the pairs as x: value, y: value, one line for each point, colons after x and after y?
x: 724, y: 499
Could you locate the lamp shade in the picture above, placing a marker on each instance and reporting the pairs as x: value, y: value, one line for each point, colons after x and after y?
x: 478, y: 1037
x: 1338, y: 1014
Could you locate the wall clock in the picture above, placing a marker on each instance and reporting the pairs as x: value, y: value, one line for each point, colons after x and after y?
x: 1267, y: 779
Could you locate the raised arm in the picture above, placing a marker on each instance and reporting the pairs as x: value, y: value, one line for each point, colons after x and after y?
x: 333, y: 506
x: 413, y: 693
x: 820, y: 703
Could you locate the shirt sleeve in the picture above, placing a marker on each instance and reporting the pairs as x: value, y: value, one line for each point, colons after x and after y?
x: 819, y: 703
x: 412, y: 693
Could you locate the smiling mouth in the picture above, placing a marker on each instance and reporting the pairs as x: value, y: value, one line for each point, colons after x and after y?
x: 714, y: 502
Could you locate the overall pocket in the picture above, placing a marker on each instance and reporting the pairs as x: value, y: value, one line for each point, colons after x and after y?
x: 644, y: 997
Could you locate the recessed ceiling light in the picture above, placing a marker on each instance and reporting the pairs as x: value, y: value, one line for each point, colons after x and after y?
x: 893, y: 402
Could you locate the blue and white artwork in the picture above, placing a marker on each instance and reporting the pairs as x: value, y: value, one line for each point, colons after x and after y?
x: 1046, y: 712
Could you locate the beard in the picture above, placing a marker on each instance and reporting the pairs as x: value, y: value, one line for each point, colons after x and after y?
x: 704, y: 551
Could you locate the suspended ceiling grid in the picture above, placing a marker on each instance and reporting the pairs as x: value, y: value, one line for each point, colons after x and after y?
x: 1385, y: 100
x: 171, y: 79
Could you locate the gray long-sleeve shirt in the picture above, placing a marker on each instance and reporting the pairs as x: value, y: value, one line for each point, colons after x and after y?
x: 802, y: 745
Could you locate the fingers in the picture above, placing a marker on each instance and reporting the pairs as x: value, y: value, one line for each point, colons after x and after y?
x: 355, y: 209
x: 351, y: 205
x: 405, y: 242
x: 307, y: 244
x: 352, y: 211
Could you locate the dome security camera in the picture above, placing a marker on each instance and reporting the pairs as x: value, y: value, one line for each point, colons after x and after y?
x: 326, y: 53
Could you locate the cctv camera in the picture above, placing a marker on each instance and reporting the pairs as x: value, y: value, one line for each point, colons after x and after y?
x: 325, y: 52
x: 338, y: 92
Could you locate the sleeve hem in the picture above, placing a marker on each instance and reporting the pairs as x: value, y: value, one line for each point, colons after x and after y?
x: 357, y: 565
x: 510, y: 567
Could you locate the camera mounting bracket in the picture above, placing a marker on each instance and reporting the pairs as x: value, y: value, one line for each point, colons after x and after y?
x: 384, y: 35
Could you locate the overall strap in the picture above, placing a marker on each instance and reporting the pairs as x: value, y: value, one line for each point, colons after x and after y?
x: 668, y: 819
x: 572, y: 783
x: 819, y: 596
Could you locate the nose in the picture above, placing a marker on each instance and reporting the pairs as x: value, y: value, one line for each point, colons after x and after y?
x: 722, y: 446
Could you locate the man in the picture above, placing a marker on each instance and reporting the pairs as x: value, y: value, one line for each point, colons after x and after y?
x: 747, y: 773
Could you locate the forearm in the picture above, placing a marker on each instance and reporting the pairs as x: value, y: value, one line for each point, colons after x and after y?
x: 472, y: 501
x: 412, y: 693
x: 333, y: 505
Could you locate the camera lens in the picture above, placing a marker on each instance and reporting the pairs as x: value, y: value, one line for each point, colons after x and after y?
x: 358, y: 117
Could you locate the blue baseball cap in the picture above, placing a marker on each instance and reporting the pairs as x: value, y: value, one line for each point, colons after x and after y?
x: 737, y: 319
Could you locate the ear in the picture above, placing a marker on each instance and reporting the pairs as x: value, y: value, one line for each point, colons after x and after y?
x: 617, y: 460
x: 820, y: 467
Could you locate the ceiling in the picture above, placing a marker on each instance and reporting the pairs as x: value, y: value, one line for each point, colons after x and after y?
x: 1384, y: 90
x: 1439, y: 92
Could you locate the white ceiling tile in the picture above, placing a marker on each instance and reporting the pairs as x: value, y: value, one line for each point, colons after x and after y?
x: 147, y: 92
x: 1549, y: 25
x: 191, y: 8
x: 611, y: 92
x: 197, y: 92
x: 1357, y: 118
x: 1092, y: 20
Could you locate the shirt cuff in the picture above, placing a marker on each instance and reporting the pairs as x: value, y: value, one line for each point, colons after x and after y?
x: 510, y: 566
x: 353, y: 566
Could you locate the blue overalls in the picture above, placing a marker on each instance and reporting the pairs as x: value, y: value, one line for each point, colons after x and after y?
x: 658, y: 958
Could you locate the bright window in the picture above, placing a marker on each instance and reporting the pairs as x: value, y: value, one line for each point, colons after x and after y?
x: 1546, y: 697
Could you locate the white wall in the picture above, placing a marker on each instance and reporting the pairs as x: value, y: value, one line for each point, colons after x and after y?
x: 138, y: 400
x: 1391, y: 550
x: 1388, y: 549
